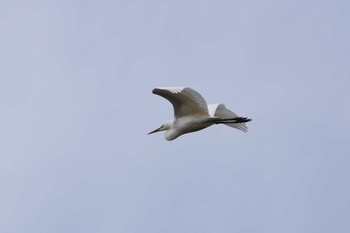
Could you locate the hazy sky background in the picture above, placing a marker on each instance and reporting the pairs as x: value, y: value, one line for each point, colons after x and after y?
x: 76, y: 104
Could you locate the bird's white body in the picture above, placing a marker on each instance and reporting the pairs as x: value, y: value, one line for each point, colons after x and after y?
x: 184, y: 125
x: 191, y: 113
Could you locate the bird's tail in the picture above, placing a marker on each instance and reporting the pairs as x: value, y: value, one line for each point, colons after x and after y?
x: 222, y: 115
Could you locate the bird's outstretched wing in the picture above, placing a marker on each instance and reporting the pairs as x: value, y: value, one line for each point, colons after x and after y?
x: 185, y: 100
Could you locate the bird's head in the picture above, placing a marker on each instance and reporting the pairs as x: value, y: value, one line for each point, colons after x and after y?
x: 163, y: 127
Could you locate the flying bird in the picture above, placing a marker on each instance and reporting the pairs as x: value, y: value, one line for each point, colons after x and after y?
x: 191, y: 113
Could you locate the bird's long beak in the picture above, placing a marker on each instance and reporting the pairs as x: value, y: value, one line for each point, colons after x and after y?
x: 156, y: 130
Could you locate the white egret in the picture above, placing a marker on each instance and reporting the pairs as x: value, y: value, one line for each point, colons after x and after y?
x: 191, y: 113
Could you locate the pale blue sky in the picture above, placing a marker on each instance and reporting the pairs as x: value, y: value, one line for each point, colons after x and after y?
x: 76, y: 105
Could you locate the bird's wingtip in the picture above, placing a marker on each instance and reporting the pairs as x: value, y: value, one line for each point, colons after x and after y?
x: 169, y: 88
x: 158, y: 90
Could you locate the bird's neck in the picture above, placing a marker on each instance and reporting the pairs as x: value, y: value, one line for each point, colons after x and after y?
x: 168, y: 125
